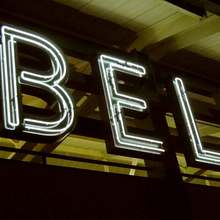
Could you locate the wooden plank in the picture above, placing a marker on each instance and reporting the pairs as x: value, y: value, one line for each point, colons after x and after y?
x: 157, y: 13
x: 26, y: 146
x: 88, y: 107
x: 100, y: 8
x: 69, y: 21
x: 213, y: 6
x: 167, y: 27
x: 205, y: 28
x: 187, y: 62
x: 193, y: 6
x: 199, y: 7
x: 128, y: 10
x: 208, y: 46
x: 189, y: 9
x: 74, y: 3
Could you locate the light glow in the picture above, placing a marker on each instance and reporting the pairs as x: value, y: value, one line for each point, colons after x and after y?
x: 10, y: 78
x: 201, y: 155
x: 117, y: 101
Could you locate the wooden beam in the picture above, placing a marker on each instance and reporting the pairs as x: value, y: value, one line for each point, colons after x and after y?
x: 87, y: 108
x: 187, y: 63
x: 213, y: 6
x: 26, y: 146
x: 203, y: 29
x: 164, y: 29
x: 66, y: 20
x: 198, y: 7
x: 193, y: 6
x: 199, y: 173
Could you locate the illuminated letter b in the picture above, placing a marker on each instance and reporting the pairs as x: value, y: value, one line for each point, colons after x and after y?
x: 10, y: 78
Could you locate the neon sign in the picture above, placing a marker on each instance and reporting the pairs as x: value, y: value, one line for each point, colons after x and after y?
x: 116, y: 101
x: 53, y: 82
x: 201, y: 155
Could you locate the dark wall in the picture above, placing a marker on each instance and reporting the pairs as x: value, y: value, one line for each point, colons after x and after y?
x: 31, y: 191
x: 204, y: 201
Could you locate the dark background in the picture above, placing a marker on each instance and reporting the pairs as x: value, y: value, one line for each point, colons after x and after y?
x: 32, y: 191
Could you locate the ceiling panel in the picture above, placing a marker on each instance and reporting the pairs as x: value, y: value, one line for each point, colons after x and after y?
x: 152, y: 16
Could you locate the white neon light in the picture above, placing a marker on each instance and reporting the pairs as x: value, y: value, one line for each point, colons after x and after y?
x: 201, y: 155
x: 116, y: 101
x: 51, y: 82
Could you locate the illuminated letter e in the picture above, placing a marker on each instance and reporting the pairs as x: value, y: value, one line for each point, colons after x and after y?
x: 10, y: 78
x: 117, y: 101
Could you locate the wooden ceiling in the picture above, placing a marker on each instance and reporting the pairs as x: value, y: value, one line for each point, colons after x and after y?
x: 162, y: 28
